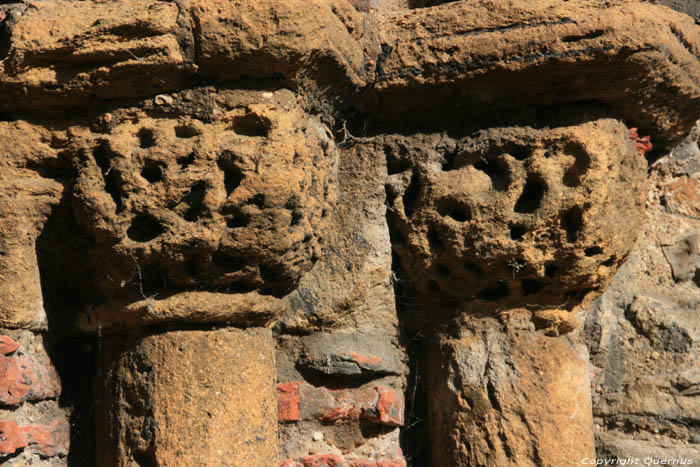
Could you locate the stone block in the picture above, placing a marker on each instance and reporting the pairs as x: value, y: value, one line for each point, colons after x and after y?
x: 188, y: 398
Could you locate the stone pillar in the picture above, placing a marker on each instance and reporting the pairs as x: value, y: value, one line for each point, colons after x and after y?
x: 514, y: 398
x: 187, y: 397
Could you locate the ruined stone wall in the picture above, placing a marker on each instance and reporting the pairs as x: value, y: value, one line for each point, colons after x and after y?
x: 365, y: 233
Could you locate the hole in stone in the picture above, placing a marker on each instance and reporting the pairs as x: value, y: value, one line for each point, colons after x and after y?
x: 238, y: 220
x: 153, y: 278
x: 296, y: 218
x: 532, y: 286
x: 251, y: 124
x: 443, y: 270
x: 103, y: 156
x: 434, y: 240
x: 474, y: 269
x: 610, y: 261
x: 152, y: 172
x: 551, y: 270
x: 233, y: 176
x: 195, y: 201
x: 186, y: 161
x: 494, y: 292
x: 454, y: 209
x: 572, y: 223
x: 258, y: 200
x: 574, y: 174
x: 227, y: 263
x: 531, y: 197
x: 518, y: 151
x: 192, y: 267
x: 410, y: 196
x: 593, y: 250
x: 395, y: 163
x: 450, y: 162
x: 496, y: 171
x: 239, y: 287
x: 517, y: 231
x: 578, y: 294
x: 144, y: 228
x: 580, y: 37
x: 147, y: 138
x: 186, y: 131
x: 696, y: 277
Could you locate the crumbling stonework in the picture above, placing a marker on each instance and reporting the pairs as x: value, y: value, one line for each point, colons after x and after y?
x: 360, y: 233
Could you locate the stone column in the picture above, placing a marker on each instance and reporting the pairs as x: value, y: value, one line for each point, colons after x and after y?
x: 513, y: 398
x: 187, y: 397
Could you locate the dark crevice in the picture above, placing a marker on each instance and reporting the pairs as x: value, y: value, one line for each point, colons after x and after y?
x: 518, y: 151
x: 517, y: 231
x: 103, y: 156
x: 457, y: 210
x: 186, y: 161
x: 497, y: 172
x: 147, y: 138
x: 152, y: 172
x: 495, y: 292
x: 572, y: 223
x: 593, y: 250
x: 574, y: 174
x: 531, y: 197
x: 227, y: 263
x: 411, y: 194
x: 144, y: 228
x: 434, y: 240
x: 251, y: 124
x: 532, y: 286
x: 195, y: 201
x: 233, y: 176
x: 186, y: 131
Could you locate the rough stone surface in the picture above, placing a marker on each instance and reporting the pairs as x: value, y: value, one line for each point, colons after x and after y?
x: 188, y: 398
x: 71, y: 52
x: 515, y: 216
x: 643, y: 332
x: 239, y: 203
x: 515, y: 398
x: 558, y: 53
x: 169, y: 169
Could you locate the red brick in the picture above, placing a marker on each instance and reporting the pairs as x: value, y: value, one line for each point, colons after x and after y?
x: 46, y: 440
x: 643, y: 144
x: 359, y: 462
x: 7, y: 345
x: 289, y: 463
x: 49, y: 440
x: 12, y: 438
x: 389, y: 408
x: 301, y: 401
x: 288, y: 402
x: 323, y: 460
x: 26, y: 378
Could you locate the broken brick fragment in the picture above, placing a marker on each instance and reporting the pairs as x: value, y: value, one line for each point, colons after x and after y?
x: 643, y: 144
x: 334, y: 460
x: 323, y: 460
x: 288, y: 402
x: 389, y: 409
x: 12, y: 438
x: 46, y: 440
x: 301, y: 401
x: 7, y: 344
x: 25, y: 378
